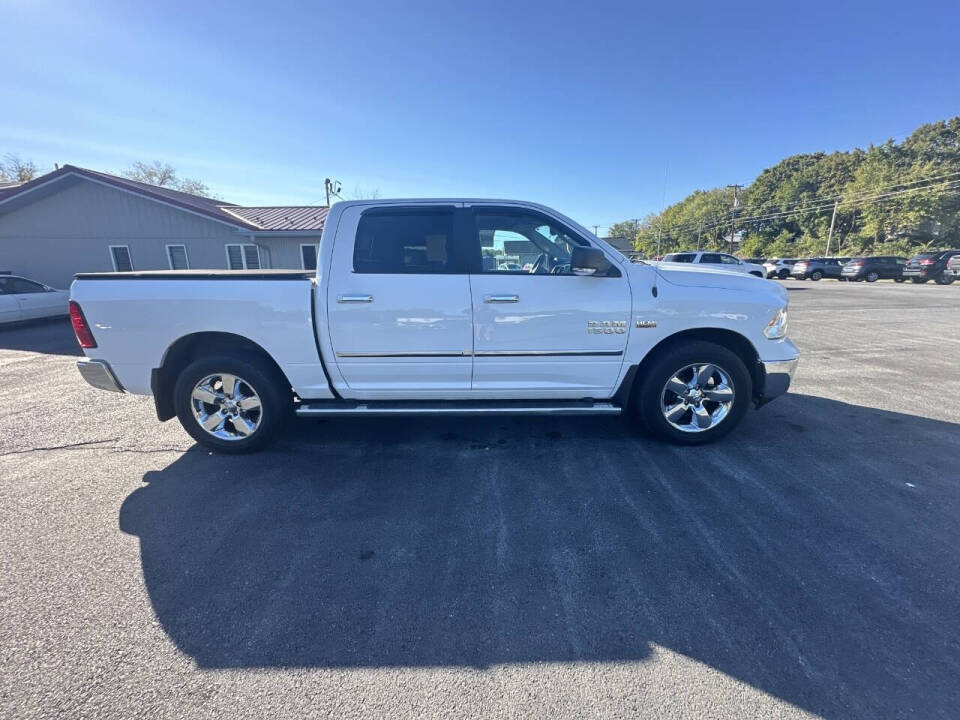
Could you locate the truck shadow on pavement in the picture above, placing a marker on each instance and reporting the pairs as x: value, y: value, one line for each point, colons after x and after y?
x: 814, y: 555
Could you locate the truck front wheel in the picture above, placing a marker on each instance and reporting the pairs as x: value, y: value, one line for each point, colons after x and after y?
x: 694, y: 393
x: 233, y: 404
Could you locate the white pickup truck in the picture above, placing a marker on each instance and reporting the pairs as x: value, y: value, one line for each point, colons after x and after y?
x: 413, y: 310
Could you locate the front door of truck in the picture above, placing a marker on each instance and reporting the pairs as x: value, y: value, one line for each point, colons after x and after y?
x: 399, y: 312
x: 539, y: 329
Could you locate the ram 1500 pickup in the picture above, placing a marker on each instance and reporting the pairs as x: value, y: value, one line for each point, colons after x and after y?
x: 423, y: 307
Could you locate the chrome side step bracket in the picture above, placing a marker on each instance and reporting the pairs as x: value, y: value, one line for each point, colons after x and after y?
x: 448, y: 407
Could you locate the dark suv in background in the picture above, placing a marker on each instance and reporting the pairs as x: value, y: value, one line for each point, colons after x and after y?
x: 930, y: 266
x: 817, y: 268
x: 875, y: 268
x: 953, y: 266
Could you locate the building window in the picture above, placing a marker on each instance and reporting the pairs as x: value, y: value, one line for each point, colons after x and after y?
x: 243, y: 257
x: 177, y: 257
x: 120, y: 256
x: 308, y: 257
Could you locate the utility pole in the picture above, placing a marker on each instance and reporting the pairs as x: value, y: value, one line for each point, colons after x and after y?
x: 833, y: 221
x: 596, y: 230
x: 699, y: 233
x: 332, y: 187
x: 733, y: 212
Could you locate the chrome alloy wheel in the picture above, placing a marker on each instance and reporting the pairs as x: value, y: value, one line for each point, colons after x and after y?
x: 226, y: 406
x: 697, y: 397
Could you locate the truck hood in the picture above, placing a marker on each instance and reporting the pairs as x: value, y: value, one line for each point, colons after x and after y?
x: 686, y: 275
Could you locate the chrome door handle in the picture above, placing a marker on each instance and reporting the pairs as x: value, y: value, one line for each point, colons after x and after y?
x: 501, y: 298
x: 354, y: 298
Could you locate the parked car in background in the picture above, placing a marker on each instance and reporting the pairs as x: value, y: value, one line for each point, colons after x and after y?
x: 953, y: 266
x: 817, y: 269
x: 778, y: 267
x: 715, y: 259
x: 871, y: 269
x: 24, y: 299
x: 930, y: 266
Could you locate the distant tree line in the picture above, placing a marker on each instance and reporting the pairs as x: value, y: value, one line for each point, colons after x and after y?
x: 888, y: 199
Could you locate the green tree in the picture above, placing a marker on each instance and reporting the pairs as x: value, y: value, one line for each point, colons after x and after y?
x: 896, y: 197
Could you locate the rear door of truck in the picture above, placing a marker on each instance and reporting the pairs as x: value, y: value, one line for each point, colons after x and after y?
x: 398, y: 299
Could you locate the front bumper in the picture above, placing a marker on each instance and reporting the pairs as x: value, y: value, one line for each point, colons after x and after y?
x: 776, y: 376
x: 99, y: 374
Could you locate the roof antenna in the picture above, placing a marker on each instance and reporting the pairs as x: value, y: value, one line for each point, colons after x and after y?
x: 663, y: 201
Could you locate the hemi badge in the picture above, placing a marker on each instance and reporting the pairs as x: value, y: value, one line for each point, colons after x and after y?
x: 646, y: 323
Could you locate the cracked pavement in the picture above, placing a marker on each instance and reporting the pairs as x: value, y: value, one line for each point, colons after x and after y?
x: 550, y: 567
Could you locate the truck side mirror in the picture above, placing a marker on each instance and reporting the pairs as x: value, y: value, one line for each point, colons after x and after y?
x: 588, y: 261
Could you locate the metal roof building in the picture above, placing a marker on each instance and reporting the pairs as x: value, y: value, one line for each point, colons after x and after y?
x: 78, y: 220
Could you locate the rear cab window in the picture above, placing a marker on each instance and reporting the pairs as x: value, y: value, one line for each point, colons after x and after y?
x: 403, y: 241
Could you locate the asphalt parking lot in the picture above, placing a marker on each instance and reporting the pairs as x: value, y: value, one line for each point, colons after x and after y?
x: 806, y: 566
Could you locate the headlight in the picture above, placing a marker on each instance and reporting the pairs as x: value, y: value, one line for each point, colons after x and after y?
x: 777, y: 327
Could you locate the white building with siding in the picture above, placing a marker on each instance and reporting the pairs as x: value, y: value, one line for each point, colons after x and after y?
x: 78, y: 220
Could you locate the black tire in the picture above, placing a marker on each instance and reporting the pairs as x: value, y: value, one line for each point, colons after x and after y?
x: 647, y: 398
x: 944, y: 279
x: 918, y: 281
x: 783, y: 274
x: 898, y: 280
x: 872, y: 276
x: 816, y: 275
x: 262, y: 377
x: 756, y: 274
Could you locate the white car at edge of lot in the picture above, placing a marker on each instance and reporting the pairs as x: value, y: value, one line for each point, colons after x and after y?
x: 779, y: 267
x: 25, y: 299
x: 718, y: 260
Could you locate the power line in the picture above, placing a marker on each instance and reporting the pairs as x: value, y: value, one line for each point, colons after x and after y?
x: 823, y: 203
x: 816, y: 200
x: 952, y: 187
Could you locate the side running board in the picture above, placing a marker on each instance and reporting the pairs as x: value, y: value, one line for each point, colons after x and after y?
x: 329, y: 408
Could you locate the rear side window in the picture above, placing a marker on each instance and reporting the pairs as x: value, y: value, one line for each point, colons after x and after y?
x: 396, y: 242
x: 711, y: 258
x: 679, y: 257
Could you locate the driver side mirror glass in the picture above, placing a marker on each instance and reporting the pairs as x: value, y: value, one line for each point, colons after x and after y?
x: 588, y: 261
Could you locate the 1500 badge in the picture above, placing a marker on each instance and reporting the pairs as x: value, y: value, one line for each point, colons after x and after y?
x: 606, y: 327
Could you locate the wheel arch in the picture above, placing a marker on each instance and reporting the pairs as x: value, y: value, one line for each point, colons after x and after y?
x: 730, y: 339
x: 190, y: 347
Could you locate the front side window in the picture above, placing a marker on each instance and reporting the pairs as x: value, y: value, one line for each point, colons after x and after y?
x: 679, y: 257
x: 524, y: 243
x: 729, y: 260
x: 405, y: 241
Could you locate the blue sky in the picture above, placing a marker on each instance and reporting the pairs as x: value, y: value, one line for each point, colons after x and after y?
x: 586, y: 107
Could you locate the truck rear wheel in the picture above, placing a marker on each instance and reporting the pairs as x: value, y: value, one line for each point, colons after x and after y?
x: 234, y: 404
x: 694, y: 393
